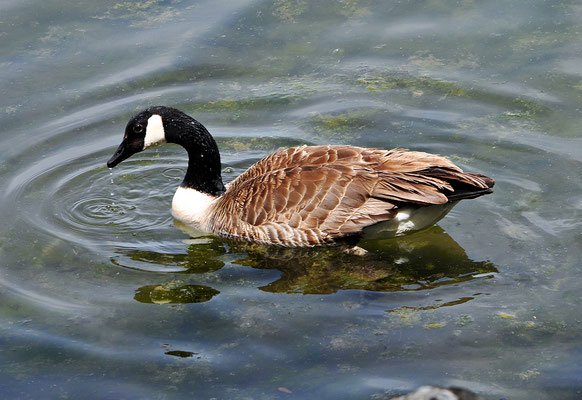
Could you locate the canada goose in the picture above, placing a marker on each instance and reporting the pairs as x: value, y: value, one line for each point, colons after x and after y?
x: 306, y: 195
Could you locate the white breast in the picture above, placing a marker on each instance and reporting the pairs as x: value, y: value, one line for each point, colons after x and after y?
x: 191, y: 206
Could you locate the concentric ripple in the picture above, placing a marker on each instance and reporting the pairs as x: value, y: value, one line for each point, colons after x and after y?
x: 99, y: 208
x: 72, y: 195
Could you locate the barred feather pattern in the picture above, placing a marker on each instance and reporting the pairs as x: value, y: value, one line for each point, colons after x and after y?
x: 316, y: 195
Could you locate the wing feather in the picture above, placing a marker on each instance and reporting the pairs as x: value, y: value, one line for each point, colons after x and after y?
x: 321, y: 193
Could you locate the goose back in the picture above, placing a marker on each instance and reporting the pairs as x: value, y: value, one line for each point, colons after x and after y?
x: 313, y: 195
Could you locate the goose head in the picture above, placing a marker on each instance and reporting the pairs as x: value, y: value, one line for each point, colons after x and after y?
x: 155, y: 126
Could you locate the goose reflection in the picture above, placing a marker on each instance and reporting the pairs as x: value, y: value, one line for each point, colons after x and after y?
x: 421, y: 261
x: 200, y: 257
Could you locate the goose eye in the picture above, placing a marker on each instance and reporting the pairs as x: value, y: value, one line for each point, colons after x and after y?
x: 138, y: 128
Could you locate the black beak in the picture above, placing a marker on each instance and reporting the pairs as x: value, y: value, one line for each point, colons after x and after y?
x: 123, y: 152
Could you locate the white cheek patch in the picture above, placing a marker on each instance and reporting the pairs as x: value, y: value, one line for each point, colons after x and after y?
x: 155, y: 134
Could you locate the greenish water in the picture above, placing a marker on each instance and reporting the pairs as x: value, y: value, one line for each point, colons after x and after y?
x: 103, y: 297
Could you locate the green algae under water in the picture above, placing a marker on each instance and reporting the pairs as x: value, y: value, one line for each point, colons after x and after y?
x: 102, y: 296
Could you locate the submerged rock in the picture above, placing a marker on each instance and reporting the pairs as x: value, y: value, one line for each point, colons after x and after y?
x: 439, y: 393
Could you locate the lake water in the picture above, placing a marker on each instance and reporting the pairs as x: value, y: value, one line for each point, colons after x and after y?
x: 103, y: 297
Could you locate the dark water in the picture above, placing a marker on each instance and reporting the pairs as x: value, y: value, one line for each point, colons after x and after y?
x: 103, y: 297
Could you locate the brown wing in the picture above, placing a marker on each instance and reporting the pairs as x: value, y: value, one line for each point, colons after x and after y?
x: 399, y: 168
x: 310, y: 155
x: 334, y: 191
x: 331, y: 200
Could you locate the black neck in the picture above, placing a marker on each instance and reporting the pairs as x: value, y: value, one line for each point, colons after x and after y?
x: 204, y: 170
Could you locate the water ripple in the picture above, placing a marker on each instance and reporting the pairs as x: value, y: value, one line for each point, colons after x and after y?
x: 71, y: 195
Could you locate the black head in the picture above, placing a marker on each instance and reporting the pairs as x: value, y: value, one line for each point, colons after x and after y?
x: 158, y: 125
x: 144, y: 130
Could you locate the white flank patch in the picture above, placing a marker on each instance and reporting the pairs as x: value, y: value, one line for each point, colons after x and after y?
x: 155, y: 134
x: 406, y: 223
x: 402, y: 215
x: 408, y: 220
x: 191, y: 206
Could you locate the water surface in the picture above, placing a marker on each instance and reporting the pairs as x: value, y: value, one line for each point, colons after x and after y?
x: 103, y: 296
